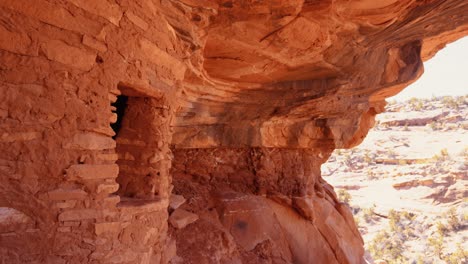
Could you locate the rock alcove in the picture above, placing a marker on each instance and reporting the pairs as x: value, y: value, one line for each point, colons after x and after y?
x: 233, y: 105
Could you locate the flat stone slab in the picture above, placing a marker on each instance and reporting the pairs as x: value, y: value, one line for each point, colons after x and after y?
x: 181, y: 218
x: 176, y: 201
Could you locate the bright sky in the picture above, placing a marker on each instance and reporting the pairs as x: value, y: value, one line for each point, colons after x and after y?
x: 444, y: 74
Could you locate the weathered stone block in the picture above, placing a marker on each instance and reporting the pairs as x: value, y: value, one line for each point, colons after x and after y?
x: 12, y: 220
x: 160, y: 57
x: 112, y: 97
x: 93, y: 43
x: 113, y: 118
x: 181, y: 218
x: 127, y: 141
x: 64, y: 229
x: 62, y: 194
x: 107, y: 188
x: 91, y: 141
x: 80, y: 214
x: 130, y: 206
x: 170, y: 251
x: 124, y: 257
x: 156, y: 157
x: 138, y: 21
x: 59, y: 51
x: 71, y: 223
x: 53, y: 14
x: 66, y: 204
x: 91, y: 172
x: 149, y: 234
x: 175, y: 201
x: 108, y: 157
x: 109, y: 227
x: 20, y: 136
x: 102, y: 8
x: 126, y: 156
x: 103, y: 130
x: 115, y: 92
x: 111, y: 200
x: 14, y: 42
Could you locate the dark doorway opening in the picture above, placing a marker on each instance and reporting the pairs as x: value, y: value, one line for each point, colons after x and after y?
x: 139, y: 131
x: 119, y: 108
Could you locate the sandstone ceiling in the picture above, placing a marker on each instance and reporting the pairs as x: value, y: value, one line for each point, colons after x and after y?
x: 287, y: 73
x: 280, y: 73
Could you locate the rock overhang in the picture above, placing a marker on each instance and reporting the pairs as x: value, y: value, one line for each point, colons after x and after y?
x: 264, y: 74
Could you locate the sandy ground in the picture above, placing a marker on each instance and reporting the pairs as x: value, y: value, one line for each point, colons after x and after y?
x: 378, y: 179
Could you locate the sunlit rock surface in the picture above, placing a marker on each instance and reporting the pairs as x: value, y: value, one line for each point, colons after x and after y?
x: 243, y: 99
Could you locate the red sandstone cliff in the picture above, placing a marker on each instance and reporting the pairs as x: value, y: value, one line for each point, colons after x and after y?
x: 243, y: 99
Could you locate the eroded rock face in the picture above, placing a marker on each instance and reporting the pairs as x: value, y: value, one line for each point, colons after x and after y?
x: 269, y: 205
x: 251, y: 96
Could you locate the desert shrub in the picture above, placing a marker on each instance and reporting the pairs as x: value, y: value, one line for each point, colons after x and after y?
x: 357, y: 221
x: 387, y: 246
x: 371, y: 175
x: 435, y: 126
x: 461, y: 100
x: 452, y: 219
x: 401, y: 223
x: 384, y: 126
x: 441, y: 228
x: 420, y: 260
x: 367, y: 158
x: 416, y: 104
x: 348, y: 160
x: 408, y: 215
x: 459, y: 256
x: 444, y: 153
x: 368, y: 213
x: 437, y: 245
x: 450, y: 102
x: 464, y: 153
x: 394, y: 220
x: 442, y: 156
x: 392, y: 154
x: 344, y: 196
x: 391, y: 102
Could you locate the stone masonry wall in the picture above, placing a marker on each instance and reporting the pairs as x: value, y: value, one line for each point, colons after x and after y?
x: 258, y: 205
x: 60, y: 66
